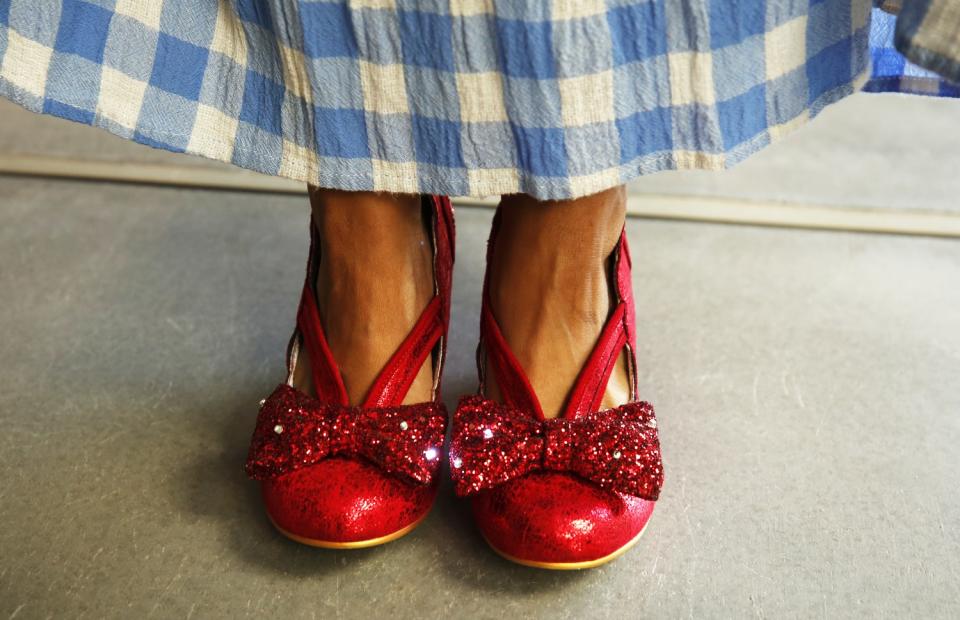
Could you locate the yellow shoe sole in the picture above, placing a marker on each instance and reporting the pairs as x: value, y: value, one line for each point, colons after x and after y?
x: 353, y: 544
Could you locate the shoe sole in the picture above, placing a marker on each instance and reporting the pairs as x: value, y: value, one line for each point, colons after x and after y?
x: 353, y: 544
x: 571, y: 565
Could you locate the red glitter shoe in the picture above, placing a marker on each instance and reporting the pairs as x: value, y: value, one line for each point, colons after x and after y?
x: 341, y: 476
x: 571, y: 492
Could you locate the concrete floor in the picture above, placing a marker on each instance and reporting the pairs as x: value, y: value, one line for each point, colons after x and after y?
x: 806, y: 385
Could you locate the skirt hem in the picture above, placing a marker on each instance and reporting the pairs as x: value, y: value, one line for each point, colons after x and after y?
x: 487, y: 182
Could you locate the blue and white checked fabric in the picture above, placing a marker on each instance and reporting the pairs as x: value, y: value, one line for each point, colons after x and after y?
x: 556, y: 98
x: 892, y: 72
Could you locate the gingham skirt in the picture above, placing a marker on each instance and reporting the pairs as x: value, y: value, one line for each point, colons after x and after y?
x: 556, y: 98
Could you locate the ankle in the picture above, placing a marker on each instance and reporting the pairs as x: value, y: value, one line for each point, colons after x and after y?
x: 374, y: 278
x: 370, y: 226
x: 371, y: 239
x: 553, y: 257
x: 550, y: 285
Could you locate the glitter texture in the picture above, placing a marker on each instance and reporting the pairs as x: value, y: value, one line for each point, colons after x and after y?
x: 617, y: 449
x: 312, y: 431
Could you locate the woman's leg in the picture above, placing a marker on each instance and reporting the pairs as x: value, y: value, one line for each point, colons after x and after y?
x: 375, y: 278
x: 550, y: 289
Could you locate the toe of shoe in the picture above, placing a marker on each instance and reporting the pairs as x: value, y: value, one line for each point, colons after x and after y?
x: 559, y: 519
x: 344, y: 500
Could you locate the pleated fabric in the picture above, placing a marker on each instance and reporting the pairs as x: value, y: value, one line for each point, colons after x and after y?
x: 557, y: 98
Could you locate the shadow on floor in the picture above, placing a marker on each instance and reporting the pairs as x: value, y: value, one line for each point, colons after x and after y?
x: 213, y: 486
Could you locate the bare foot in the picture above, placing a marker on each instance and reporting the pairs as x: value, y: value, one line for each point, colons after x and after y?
x: 551, y: 291
x: 375, y: 279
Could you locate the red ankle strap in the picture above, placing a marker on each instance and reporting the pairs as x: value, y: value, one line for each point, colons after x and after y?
x: 624, y: 290
x: 587, y: 393
x: 327, y: 382
x: 515, y: 388
x: 394, y: 381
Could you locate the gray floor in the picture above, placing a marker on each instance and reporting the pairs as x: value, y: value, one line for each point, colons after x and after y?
x: 806, y: 384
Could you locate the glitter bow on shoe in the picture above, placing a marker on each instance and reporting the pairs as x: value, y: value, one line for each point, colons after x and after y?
x: 295, y: 431
x: 616, y: 449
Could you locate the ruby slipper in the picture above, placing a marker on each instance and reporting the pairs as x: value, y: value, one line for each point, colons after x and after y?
x: 339, y: 476
x: 565, y: 493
